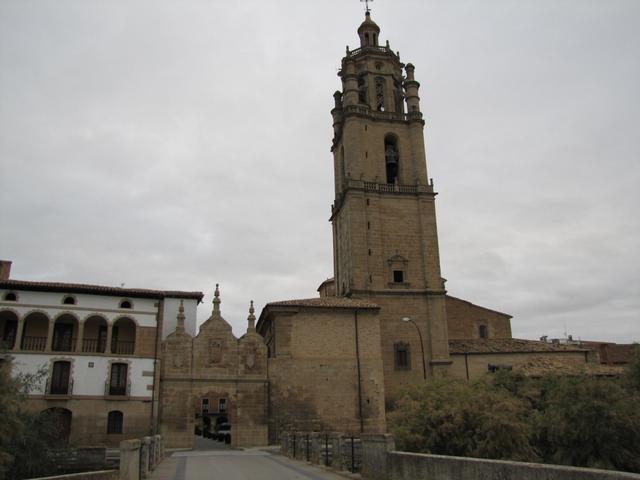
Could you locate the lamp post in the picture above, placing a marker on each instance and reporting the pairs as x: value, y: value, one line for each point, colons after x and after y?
x: 424, y: 365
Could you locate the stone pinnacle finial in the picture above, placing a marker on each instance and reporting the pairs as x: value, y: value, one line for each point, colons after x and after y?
x: 251, y: 318
x: 180, y: 317
x: 216, y: 300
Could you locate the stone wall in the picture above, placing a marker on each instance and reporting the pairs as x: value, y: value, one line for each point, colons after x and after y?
x: 378, y: 460
x: 414, y: 466
x: 314, y: 373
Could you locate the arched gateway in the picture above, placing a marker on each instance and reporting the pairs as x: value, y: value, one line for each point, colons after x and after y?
x: 209, y: 379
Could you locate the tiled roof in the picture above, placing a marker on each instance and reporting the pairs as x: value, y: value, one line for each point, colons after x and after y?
x: 542, y: 365
x: 449, y: 297
x: 97, y: 289
x: 508, y: 345
x: 325, y: 302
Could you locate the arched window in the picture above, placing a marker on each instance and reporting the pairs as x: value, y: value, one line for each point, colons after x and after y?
x: 65, y: 331
x: 391, y: 158
x: 10, y: 297
x: 482, y: 330
x: 8, y: 329
x: 59, y: 383
x: 114, y: 421
x: 69, y: 300
x: 366, y: 39
x: 61, y: 418
x: 126, y: 304
x: 123, y: 337
x: 380, y: 94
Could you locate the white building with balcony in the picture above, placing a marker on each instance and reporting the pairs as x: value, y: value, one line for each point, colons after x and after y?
x: 98, y: 350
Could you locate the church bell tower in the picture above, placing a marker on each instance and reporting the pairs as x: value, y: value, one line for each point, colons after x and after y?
x: 383, y: 216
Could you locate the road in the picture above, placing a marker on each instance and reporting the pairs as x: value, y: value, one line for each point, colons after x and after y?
x: 227, y: 464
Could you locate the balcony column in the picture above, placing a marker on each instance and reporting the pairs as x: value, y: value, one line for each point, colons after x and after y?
x: 19, y: 329
x: 80, y: 338
x: 107, y: 348
x: 49, y: 345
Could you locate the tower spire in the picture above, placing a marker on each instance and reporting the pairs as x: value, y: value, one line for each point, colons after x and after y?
x: 251, y: 319
x: 180, y: 318
x: 216, y: 301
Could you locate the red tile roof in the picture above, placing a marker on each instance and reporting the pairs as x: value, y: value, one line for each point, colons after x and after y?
x: 508, y: 345
x: 325, y: 302
x: 97, y: 290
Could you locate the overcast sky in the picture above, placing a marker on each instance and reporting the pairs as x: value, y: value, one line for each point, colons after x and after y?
x: 180, y: 144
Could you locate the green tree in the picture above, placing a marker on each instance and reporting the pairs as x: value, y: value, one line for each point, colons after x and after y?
x: 450, y: 417
x: 26, y: 438
x: 590, y: 422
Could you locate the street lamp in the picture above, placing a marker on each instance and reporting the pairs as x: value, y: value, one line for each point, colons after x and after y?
x: 424, y: 365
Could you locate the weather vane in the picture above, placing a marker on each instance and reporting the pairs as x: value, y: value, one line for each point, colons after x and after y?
x: 366, y: 3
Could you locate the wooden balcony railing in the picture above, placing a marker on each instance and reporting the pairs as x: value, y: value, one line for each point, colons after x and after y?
x: 34, y: 343
x: 96, y: 345
x: 62, y: 344
x: 123, y: 348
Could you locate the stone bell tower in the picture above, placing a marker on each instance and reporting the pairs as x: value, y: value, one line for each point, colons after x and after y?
x: 384, y: 223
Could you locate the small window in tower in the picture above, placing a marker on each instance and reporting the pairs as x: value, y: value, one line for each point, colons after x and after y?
x: 10, y: 297
x: 380, y: 94
x: 402, y: 356
x: 483, y: 331
x: 126, y: 304
x: 362, y: 91
x: 69, y: 300
x: 398, y: 276
x: 366, y: 39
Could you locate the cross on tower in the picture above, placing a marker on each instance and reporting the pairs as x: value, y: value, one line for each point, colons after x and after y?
x: 366, y: 2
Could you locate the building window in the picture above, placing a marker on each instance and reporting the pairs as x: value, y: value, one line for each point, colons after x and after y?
x: 222, y: 405
x: 398, y: 276
x: 126, y: 304
x: 402, y: 356
x: 69, y: 300
x: 114, y: 421
x: 118, y: 379
x: 484, y: 333
x: 60, y: 378
x: 10, y: 297
x: 205, y: 405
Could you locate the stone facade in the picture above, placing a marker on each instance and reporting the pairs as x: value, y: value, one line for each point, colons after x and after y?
x: 466, y: 320
x: 325, y: 365
x: 212, y: 379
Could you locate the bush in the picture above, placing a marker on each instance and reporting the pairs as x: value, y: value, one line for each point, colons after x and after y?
x: 580, y: 421
x: 449, y: 417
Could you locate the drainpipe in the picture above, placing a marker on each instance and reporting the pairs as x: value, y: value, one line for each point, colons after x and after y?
x: 359, y: 373
x: 156, y: 373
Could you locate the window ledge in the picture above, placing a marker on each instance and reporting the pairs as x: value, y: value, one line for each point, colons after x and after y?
x: 399, y: 285
x: 116, y: 397
x: 57, y: 396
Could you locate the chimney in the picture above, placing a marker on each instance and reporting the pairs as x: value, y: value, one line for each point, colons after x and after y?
x: 5, y: 270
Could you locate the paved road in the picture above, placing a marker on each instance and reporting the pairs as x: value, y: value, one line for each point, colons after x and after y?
x: 227, y: 464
